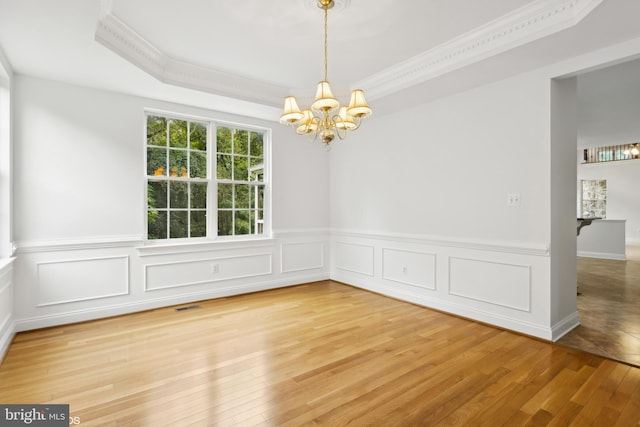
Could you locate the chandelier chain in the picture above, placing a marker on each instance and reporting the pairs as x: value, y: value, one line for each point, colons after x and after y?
x: 326, y: 12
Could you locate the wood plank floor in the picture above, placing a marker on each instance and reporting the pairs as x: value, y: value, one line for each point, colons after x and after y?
x: 316, y: 354
x: 609, y: 308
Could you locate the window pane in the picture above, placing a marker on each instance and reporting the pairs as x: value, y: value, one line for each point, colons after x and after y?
x: 241, y: 168
x: 256, y: 144
x: 156, y: 131
x: 198, y: 136
x: 257, y: 169
x: 225, y: 194
x: 253, y: 222
x: 224, y: 166
x: 178, y: 195
x: 198, y: 223
x: 223, y: 140
x: 242, y: 197
x: 198, y: 165
x: 156, y: 161
x: 157, y: 194
x: 242, y: 225
x: 241, y: 142
x: 199, y: 195
x: 256, y: 222
x: 225, y: 223
x: 178, y: 224
x: 178, y: 133
x: 156, y: 224
x: 178, y: 163
x: 259, y: 203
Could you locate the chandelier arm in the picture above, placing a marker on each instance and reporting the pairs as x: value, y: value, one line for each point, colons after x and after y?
x: 334, y: 121
x: 358, y: 122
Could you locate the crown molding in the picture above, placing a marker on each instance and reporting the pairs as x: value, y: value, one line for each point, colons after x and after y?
x: 534, y: 21
x: 117, y: 36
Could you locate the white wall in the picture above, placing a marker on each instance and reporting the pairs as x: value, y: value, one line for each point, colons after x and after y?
x: 419, y: 201
x: 423, y: 205
x: 446, y: 168
x: 79, y: 205
x: 6, y: 262
x: 563, y: 140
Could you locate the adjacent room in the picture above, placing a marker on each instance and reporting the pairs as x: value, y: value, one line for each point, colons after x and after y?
x: 608, y: 248
x: 319, y: 212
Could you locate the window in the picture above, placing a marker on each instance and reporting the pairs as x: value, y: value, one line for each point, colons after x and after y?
x: 611, y: 153
x: 185, y: 198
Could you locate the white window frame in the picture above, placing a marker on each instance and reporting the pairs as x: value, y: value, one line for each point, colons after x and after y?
x: 213, y: 181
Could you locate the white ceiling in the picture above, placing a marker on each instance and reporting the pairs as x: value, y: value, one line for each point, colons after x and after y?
x: 240, y: 55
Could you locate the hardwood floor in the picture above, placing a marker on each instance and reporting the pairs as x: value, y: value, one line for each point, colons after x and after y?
x: 316, y: 354
x: 608, y: 305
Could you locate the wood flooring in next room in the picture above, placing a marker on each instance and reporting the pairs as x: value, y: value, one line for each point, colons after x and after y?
x: 316, y: 354
x: 609, y: 308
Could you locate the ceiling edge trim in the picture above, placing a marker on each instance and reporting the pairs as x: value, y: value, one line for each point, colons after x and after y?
x: 531, y: 22
x: 115, y: 35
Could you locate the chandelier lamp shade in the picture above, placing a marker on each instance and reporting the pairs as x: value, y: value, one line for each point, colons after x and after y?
x: 326, y: 119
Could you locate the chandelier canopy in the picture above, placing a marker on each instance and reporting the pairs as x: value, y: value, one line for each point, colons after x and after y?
x: 326, y: 118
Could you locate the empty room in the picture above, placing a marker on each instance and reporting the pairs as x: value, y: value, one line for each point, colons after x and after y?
x: 220, y: 212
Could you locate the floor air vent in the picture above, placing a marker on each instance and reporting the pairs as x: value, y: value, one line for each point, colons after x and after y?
x: 189, y: 307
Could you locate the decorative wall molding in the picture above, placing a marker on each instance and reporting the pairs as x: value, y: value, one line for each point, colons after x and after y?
x: 496, y: 283
x: 197, y: 272
x: 171, y: 248
x: 6, y: 269
x: 505, y: 285
x: 7, y: 324
x: 301, y: 256
x: 355, y: 257
x: 75, y: 280
x: 301, y: 232
x: 534, y: 21
x: 96, y: 242
x: 126, y: 42
x: 537, y: 249
x: 409, y: 267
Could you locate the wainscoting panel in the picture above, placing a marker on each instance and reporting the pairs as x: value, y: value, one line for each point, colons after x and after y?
x: 66, y: 281
x: 409, y: 267
x: 194, y: 272
x: 505, y: 284
x: 6, y: 306
x: 301, y: 256
x: 497, y: 283
x: 355, y: 258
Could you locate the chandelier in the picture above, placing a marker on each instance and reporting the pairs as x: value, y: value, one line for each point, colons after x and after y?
x: 326, y: 118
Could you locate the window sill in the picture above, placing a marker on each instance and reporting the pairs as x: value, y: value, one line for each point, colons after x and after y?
x: 152, y: 248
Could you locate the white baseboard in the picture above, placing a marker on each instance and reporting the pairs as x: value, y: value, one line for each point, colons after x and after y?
x: 565, y: 326
x: 38, y: 322
x: 453, y: 308
x: 603, y: 255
